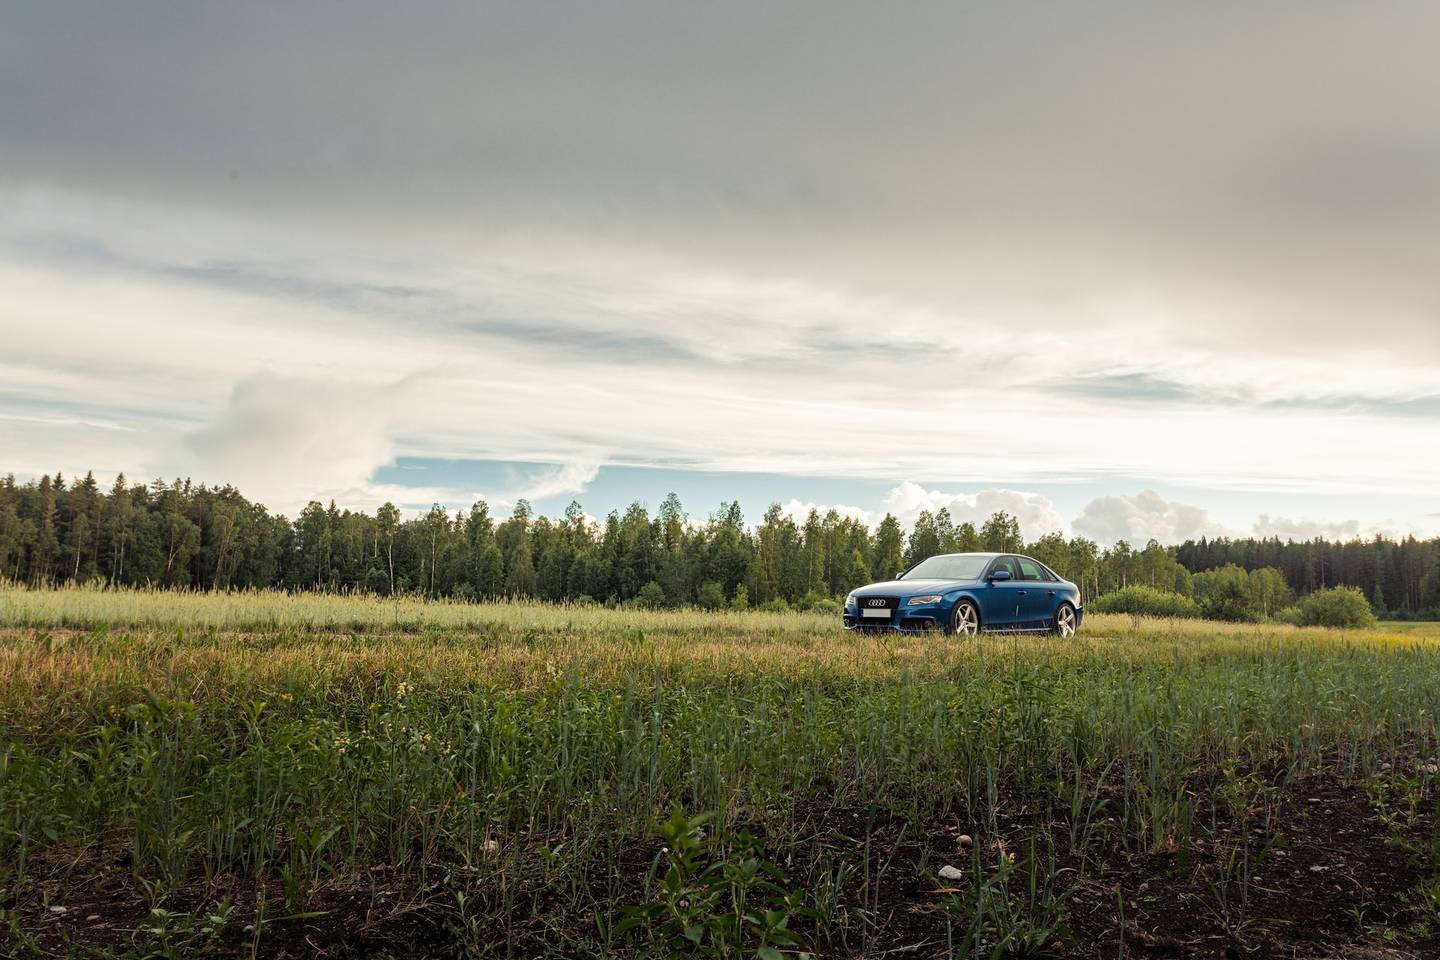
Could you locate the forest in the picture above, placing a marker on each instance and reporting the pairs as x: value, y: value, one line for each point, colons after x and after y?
x: 183, y: 535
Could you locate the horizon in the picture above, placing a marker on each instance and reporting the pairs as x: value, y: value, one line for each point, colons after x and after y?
x: 754, y: 515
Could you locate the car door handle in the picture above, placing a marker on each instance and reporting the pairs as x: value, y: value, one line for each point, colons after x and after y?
x: 1020, y: 593
x: 1052, y: 593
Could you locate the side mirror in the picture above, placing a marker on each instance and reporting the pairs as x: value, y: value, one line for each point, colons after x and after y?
x: 900, y: 575
x: 1000, y: 575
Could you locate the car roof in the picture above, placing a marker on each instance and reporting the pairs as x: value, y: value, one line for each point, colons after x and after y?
x: 987, y: 555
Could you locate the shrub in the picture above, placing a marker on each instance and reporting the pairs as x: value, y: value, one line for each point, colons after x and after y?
x: 651, y: 596
x: 1335, y: 607
x: 775, y: 605
x: 710, y: 596
x: 1225, y: 594
x: 817, y: 602
x: 741, y: 600
x: 1148, y: 602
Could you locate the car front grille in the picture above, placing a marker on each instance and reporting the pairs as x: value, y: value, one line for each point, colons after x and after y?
x: 888, y: 604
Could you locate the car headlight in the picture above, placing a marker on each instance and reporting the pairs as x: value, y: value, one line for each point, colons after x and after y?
x: 850, y: 599
x: 921, y: 601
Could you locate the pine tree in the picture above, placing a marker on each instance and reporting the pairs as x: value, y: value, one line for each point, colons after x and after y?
x: 888, y: 559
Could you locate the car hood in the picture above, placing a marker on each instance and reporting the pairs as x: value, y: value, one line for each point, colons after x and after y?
x: 905, y: 588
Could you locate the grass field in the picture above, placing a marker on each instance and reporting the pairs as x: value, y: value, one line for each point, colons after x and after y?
x: 273, y: 775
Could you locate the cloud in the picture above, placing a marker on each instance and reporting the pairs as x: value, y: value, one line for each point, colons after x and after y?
x: 554, y: 481
x: 1288, y: 529
x: 731, y: 243
x: 285, y: 441
x: 800, y: 512
x: 1036, y: 514
x: 1142, y: 517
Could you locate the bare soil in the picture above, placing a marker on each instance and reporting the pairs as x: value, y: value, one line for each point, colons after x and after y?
x: 1316, y: 873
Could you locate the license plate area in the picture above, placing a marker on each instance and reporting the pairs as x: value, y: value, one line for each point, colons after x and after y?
x: 877, y: 608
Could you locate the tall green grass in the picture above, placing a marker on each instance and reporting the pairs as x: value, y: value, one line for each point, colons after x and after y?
x: 298, y: 740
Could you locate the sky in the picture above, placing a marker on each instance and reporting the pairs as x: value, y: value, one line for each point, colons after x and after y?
x: 1121, y: 269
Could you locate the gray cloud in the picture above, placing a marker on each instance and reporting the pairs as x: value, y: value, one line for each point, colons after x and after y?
x: 1280, y: 158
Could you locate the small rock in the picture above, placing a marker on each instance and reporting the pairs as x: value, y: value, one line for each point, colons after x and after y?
x: 92, y: 918
x: 1318, y: 869
x: 1384, y: 768
x: 491, y: 847
x: 948, y: 872
x: 966, y: 840
x: 59, y: 909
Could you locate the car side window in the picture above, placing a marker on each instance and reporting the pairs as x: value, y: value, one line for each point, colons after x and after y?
x: 1030, y: 570
x: 1005, y: 563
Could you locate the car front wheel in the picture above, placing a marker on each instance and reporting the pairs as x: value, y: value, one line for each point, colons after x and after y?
x: 1065, y: 621
x: 965, y: 620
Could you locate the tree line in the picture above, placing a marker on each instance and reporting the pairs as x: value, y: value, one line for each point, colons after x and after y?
x: 186, y: 535
x: 1401, y: 578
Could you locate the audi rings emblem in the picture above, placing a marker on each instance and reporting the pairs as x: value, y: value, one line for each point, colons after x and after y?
x: 877, y: 603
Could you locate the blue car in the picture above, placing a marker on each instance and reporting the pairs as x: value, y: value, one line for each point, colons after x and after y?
x: 965, y: 593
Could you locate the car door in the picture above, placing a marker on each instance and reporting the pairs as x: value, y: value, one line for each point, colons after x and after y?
x: 1002, y: 597
x: 1036, y: 593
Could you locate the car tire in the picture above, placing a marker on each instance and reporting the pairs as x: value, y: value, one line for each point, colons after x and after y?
x: 965, y: 619
x: 1065, y: 622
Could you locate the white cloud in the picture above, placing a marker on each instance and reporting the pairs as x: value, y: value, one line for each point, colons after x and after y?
x: 1036, y: 513
x: 1141, y: 517
x: 1289, y: 529
x: 553, y: 481
x: 285, y: 441
x: 800, y: 512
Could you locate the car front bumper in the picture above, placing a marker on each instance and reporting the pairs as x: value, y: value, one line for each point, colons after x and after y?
x: 920, y: 619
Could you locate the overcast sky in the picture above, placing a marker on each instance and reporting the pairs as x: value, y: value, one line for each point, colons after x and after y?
x: 1125, y: 269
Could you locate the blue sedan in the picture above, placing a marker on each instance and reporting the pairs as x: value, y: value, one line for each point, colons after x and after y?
x: 965, y: 593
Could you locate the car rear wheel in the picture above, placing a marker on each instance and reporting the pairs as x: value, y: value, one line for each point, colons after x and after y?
x: 965, y: 620
x: 1065, y: 622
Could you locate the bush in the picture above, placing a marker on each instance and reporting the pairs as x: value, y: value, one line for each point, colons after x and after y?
x: 741, y: 600
x: 710, y: 596
x: 1334, y: 607
x: 1225, y: 594
x: 777, y: 605
x: 1147, y: 602
x: 651, y: 596
x: 817, y: 602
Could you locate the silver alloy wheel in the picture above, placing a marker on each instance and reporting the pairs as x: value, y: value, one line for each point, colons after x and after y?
x: 1065, y: 621
x: 966, y: 621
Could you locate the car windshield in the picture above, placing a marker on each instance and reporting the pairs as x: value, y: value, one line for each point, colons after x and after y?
x: 948, y: 568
